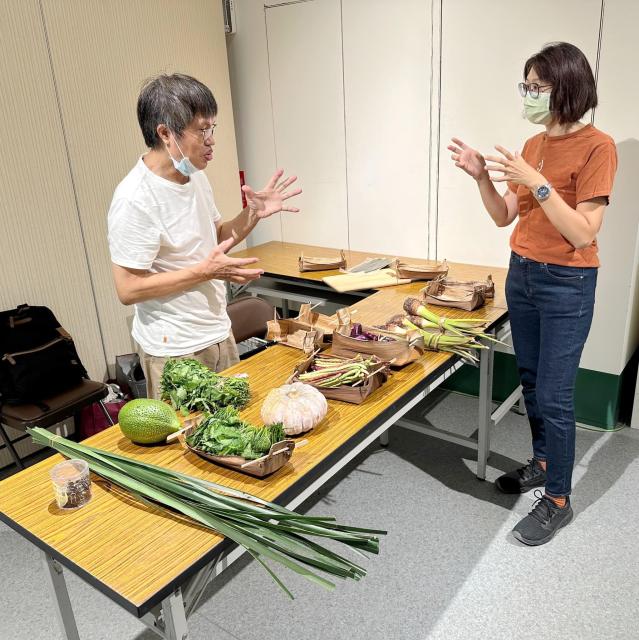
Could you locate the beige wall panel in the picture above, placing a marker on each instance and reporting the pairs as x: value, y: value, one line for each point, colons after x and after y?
x: 617, y: 312
x: 304, y: 44
x: 102, y: 52
x: 485, y: 44
x: 387, y: 52
x: 250, y: 87
x: 41, y: 247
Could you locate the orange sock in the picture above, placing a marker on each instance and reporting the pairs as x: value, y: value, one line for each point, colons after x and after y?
x: 560, y: 502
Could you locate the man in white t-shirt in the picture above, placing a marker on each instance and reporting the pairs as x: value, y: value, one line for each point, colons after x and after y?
x: 167, y: 240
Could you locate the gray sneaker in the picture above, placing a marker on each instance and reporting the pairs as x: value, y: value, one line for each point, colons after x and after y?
x: 520, y: 480
x: 543, y: 522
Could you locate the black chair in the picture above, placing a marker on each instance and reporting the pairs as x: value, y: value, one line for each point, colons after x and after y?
x: 249, y: 315
x: 50, y: 411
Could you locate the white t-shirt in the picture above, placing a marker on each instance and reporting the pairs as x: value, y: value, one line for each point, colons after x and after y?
x: 159, y: 226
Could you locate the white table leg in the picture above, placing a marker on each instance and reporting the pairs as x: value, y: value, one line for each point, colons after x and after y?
x: 175, y: 626
x: 383, y: 439
x: 486, y: 359
x: 64, y: 611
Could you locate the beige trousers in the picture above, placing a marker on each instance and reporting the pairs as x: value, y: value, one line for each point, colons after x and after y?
x: 217, y: 357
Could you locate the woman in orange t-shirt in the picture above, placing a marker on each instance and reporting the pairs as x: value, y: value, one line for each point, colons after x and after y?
x: 558, y: 189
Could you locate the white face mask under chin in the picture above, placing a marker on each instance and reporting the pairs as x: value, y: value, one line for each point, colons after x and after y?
x: 184, y: 166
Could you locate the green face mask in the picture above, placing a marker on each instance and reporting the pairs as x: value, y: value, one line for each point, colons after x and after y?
x: 537, y: 110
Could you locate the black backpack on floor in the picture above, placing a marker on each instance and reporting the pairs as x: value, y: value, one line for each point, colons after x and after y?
x: 37, y: 356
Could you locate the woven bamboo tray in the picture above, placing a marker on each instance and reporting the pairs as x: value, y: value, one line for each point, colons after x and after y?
x: 308, y: 332
x: 398, y: 353
x: 293, y: 333
x: 345, y: 393
x: 456, y: 297
x: 420, y: 271
x: 323, y: 323
x: 279, y: 454
x: 314, y: 263
x: 487, y: 286
x: 460, y: 294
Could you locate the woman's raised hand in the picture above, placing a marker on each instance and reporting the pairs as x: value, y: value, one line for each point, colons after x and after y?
x: 468, y: 159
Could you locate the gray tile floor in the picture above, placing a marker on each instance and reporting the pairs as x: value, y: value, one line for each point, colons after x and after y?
x: 447, y: 570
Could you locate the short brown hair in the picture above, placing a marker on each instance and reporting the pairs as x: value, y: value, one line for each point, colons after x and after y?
x: 567, y: 69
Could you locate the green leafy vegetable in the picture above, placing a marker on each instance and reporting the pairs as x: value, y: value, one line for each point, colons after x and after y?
x: 224, y: 433
x: 191, y: 386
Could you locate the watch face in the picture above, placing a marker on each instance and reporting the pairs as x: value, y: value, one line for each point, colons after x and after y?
x: 543, y: 192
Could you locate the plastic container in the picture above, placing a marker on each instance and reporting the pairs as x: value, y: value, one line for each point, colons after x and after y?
x: 71, y: 484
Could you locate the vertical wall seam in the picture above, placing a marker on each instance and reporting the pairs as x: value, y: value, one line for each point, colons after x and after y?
x: 270, y: 95
x: 439, y: 110
x: 434, y: 127
x: 73, y: 185
x: 348, y: 220
x: 600, y: 38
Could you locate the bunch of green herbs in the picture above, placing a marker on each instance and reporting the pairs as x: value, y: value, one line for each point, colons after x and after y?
x: 191, y: 386
x: 224, y: 433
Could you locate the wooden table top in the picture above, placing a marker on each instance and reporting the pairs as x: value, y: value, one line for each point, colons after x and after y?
x: 281, y: 259
x: 137, y: 554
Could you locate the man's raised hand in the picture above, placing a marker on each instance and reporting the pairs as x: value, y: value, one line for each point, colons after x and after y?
x: 218, y: 266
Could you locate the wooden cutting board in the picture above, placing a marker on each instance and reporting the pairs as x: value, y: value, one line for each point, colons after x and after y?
x: 363, y: 281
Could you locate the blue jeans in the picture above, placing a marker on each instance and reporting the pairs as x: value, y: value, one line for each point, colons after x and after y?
x: 550, y: 309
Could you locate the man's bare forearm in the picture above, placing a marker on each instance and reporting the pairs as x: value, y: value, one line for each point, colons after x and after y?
x: 239, y: 227
x: 134, y: 288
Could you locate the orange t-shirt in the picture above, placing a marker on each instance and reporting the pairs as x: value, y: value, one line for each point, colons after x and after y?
x: 579, y: 166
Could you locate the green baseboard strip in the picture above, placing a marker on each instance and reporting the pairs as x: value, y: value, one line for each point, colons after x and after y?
x: 601, y: 399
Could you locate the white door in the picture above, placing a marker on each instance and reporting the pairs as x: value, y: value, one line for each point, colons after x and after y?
x: 305, y: 68
x: 387, y: 52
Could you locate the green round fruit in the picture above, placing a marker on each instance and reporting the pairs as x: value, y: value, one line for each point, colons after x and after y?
x: 147, y: 421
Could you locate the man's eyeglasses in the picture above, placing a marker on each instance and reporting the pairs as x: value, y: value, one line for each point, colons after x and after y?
x: 531, y: 89
x: 207, y: 132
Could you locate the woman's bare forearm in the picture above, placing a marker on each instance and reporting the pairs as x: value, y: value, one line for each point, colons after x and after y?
x: 494, y: 203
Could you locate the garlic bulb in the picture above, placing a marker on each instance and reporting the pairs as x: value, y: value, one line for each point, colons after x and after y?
x: 298, y: 406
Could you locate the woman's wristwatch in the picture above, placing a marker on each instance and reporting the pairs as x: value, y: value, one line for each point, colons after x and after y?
x: 542, y: 192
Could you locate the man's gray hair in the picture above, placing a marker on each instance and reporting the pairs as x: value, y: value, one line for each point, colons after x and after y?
x: 173, y: 100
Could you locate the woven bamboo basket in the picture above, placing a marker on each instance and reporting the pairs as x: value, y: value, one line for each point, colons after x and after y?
x: 398, y: 353
x: 308, y: 332
x: 487, y: 287
x: 292, y: 333
x: 458, y: 298
x: 420, y: 271
x: 345, y: 393
x: 315, y: 263
x: 460, y: 294
x: 279, y: 454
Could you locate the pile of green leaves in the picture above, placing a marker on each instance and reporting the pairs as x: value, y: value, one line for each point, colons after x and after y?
x: 224, y: 433
x: 191, y: 386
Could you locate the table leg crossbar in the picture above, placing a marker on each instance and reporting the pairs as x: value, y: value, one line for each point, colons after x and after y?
x: 487, y: 417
